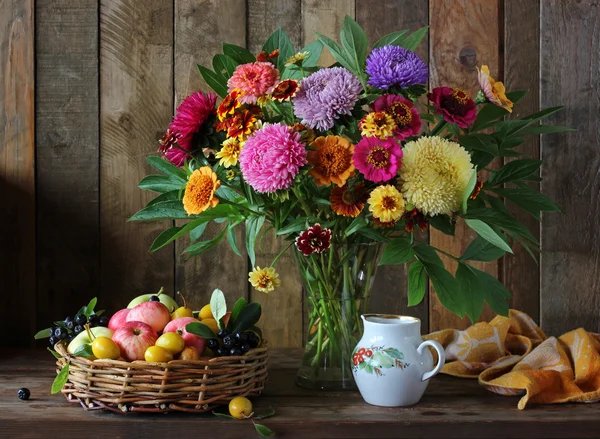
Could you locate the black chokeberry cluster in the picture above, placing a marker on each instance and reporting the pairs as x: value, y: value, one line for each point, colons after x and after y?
x: 70, y: 327
x: 233, y: 344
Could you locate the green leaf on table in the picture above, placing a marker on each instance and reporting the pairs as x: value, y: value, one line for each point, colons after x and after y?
x: 427, y: 254
x: 89, y: 309
x: 417, y: 283
x: 514, y: 170
x: 161, y: 211
x: 214, y: 80
x: 200, y: 330
x: 413, y: 40
x: 238, y: 54
x: 265, y: 415
x: 468, y: 191
x: 393, y: 39
x: 85, y: 351
x: 235, y: 312
x: 218, y: 305
x: 204, y: 246
x: 56, y: 354
x: 397, y: 251
x: 279, y: 40
x: 44, y: 333
x: 60, y: 380
x: 444, y: 223
x: 487, y: 233
x: 222, y: 415
x: 248, y: 317
x: 495, y: 293
x: 253, y: 225
x: 165, y: 167
x: 264, y: 430
x: 446, y: 288
x: 472, y: 291
x: 481, y: 250
x: 354, y: 41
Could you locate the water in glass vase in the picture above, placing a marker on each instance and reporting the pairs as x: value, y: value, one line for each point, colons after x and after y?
x: 337, y: 287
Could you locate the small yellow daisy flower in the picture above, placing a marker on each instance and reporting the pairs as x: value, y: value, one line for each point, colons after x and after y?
x: 200, y: 191
x: 386, y: 203
x: 264, y: 280
x: 230, y: 152
x: 297, y: 58
x: 378, y: 124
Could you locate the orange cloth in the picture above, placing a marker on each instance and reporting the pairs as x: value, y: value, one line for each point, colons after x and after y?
x: 512, y: 356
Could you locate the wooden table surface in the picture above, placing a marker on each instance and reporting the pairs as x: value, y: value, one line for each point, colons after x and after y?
x: 450, y: 408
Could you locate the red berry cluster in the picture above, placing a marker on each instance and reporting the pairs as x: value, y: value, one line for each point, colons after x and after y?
x: 360, y: 355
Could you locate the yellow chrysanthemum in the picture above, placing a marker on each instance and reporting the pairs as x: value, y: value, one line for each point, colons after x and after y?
x: 386, y: 203
x: 378, y: 124
x: 264, y: 280
x: 296, y: 58
x: 200, y: 191
x: 493, y: 90
x: 434, y: 174
x: 230, y: 152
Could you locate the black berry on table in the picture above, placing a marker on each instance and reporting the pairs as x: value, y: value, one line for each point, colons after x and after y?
x: 24, y: 393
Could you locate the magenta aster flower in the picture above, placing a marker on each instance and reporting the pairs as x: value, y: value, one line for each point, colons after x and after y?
x: 315, y: 239
x: 390, y: 66
x: 404, y: 113
x: 272, y: 157
x: 255, y: 79
x: 326, y: 95
x: 377, y: 159
x: 454, y: 105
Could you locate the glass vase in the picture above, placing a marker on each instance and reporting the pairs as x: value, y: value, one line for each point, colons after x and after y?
x: 337, y: 287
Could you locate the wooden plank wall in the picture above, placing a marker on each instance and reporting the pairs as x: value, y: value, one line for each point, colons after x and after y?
x: 88, y: 87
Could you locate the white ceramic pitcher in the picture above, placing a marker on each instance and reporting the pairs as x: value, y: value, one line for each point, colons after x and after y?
x: 391, y: 364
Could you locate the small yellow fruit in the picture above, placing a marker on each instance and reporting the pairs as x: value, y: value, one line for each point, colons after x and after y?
x: 156, y: 354
x: 240, y: 407
x: 212, y: 324
x: 104, y: 347
x: 205, y: 313
x: 172, y: 342
x: 182, y: 312
x: 190, y: 353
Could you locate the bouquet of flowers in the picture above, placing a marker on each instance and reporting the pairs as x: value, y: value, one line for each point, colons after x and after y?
x: 344, y: 163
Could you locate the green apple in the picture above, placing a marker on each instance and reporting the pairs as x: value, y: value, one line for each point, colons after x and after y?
x: 83, y: 337
x: 165, y: 299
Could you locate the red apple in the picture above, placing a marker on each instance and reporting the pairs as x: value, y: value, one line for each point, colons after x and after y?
x: 178, y: 326
x: 154, y: 314
x: 133, y: 338
x: 118, y: 319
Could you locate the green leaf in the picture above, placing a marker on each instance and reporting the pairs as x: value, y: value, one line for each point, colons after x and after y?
x: 204, y: 246
x: 89, y: 309
x: 215, y: 81
x: 200, y: 330
x: 315, y: 49
x: 231, y: 238
x: 514, y: 170
x: 264, y: 430
x: 253, y: 225
x: 373, y: 235
x: 480, y: 142
x: 542, y: 114
x: 165, y: 167
x: 161, y: 211
x: 443, y: 223
x: 237, y: 309
x: 356, y: 224
x: 56, y: 354
x: 495, y: 293
x: 224, y: 65
x: 417, y: 283
x: 413, y: 40
x: 468, y: 191
x: 354, y: 42
x: 44, y: 333
x: 544, y: 129
x: 482, y: 250
x: 166, y: 237
x: 238, y: 54
x: 336, y: 51
x: 197, y: 232
x: 279, y: 40
x: 489, y: 113
x: 500, y: 219
x: 248, y: 317
x: 167, y: 196
x: 393, y: 39
x: 528, y: 199
x: 265, y: 415
x: 85, y: 350
x: 394, y: 353
x: 472, y: 290
x: 222, y: 415
x: 427, y: 254
x: 61, y: 379
x: 398, y: 251
x: 295, y: 226
x: 487, y: 233
x: 218, y: 305
x: 446, y: 288
x: 161, y: 183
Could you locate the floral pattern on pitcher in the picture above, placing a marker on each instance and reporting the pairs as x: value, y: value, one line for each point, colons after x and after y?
x: 374, y: 359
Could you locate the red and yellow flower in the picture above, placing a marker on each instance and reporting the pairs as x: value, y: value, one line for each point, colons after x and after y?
x: 229, y: 104
x: 346, y: 201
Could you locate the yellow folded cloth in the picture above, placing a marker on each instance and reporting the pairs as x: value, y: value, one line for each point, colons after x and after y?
x: 512, y: 356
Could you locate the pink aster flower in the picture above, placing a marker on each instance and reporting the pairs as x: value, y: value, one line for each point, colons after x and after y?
x: 315, y: 239
x: 377, y: 159
x: 404, y: 113
x: 255, y: 80
x: 272, y: 157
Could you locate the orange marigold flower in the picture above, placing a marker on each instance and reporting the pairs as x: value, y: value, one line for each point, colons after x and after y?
x: 286, y: 90
x: 229, y: 104
x: 347, y: 201
x: 331, y: 160
x: 200, y: 191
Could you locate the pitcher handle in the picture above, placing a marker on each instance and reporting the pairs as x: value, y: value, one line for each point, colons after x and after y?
x: 441, y: 357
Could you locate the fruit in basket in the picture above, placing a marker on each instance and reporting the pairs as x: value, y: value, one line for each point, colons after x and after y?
x: 133, y: 338
x: 182, y: 311
x: 190, y: 353
x: 154, y: 314
x: 172, y: 342
x: 205, y: 313
x: 118, y: 319
x: 80, y: 320
x: 105, y: 348
x: 84, y: 338
x: 179, y: 325
x: 240, y: 408
x: 165, y: 299
x: 104, y: 321
x: 212, y: 324
x: 157, y: 354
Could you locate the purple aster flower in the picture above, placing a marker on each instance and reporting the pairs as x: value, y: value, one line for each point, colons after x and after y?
x: 394, y: 65
x: 325, y: 95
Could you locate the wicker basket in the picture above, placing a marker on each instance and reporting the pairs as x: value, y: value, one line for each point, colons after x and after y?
x: 139, y: 386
